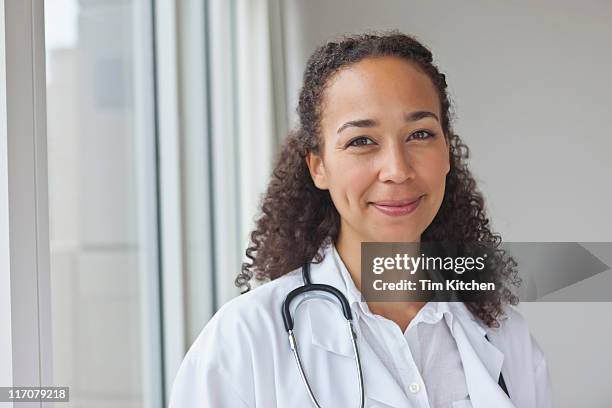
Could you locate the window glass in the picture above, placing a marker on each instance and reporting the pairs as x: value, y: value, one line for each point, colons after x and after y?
x: 102, y: 207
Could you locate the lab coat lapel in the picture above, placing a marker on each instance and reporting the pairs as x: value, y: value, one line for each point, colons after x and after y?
x: 481, y: 360
x: 332, y: 337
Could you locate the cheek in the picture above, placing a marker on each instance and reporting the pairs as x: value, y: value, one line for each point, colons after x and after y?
x: 432, y: 169
x: 350, y: 180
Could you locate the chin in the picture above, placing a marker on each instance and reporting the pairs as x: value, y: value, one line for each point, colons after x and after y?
x: 397, y: 237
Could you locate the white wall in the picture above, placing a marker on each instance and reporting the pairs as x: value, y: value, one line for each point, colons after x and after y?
x: 532, y: 90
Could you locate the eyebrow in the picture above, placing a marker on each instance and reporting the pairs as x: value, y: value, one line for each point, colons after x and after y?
x: 366, y: 123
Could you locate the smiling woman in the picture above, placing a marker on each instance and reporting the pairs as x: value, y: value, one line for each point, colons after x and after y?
x: 374, y: 159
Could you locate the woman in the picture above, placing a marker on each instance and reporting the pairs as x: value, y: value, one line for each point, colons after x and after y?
x: 374, y: 160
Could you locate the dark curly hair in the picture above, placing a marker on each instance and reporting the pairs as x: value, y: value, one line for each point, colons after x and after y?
x: 297, y: 218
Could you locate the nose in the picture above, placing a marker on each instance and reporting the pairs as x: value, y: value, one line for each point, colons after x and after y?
x: 395, y: 165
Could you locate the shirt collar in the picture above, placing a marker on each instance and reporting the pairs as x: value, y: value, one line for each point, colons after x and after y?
x: 431, y: 313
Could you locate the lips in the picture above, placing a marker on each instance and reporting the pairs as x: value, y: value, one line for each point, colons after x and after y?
x: 396, y: 208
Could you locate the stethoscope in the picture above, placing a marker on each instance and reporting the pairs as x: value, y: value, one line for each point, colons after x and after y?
x: 346, y: 311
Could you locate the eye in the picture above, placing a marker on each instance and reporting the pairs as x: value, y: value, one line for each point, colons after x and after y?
x: 360, y: 141
x: 421, y: 135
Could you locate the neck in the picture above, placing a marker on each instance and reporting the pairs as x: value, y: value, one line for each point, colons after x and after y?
x: 402, y: 313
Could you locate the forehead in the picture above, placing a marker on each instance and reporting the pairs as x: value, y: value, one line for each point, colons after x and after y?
x: 377, y: 87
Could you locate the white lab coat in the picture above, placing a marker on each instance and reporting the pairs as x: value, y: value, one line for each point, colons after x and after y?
x: 242, y: 357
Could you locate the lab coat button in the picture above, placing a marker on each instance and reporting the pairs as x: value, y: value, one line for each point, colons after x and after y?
x: 414, y: 388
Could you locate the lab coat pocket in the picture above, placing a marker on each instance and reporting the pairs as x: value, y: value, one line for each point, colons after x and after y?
x: 462, y: 404
x: 370, y: 403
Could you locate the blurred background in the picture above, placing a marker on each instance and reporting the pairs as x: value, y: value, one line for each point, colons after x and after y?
x: 163, y: 120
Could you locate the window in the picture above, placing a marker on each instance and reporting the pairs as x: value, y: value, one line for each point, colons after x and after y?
x: 101, y: 142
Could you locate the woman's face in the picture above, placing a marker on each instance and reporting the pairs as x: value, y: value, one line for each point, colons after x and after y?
x: 383, y: 148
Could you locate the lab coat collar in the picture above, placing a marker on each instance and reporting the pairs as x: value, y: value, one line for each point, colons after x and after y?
x: 482, y: 361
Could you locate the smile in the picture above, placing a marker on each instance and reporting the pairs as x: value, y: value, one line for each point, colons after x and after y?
x: 397, y: 208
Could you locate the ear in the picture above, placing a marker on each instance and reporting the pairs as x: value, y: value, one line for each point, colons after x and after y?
x: 317, y: 170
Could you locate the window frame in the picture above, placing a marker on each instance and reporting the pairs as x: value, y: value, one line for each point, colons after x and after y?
x: 24, y: 213
x: 26, y: 354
